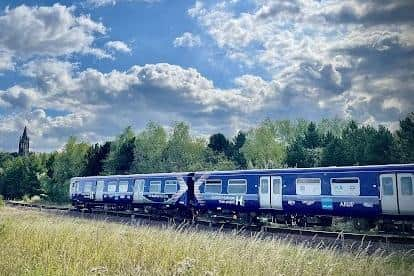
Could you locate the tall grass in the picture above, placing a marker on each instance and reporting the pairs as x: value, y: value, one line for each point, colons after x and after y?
x: 40, y: 244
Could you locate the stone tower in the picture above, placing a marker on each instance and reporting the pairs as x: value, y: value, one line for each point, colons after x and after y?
x: 24, y: 144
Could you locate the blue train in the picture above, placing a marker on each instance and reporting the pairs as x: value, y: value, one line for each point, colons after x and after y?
x: 371, y: 195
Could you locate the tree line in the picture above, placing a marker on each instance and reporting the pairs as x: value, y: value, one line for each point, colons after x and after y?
x: 272, y: 144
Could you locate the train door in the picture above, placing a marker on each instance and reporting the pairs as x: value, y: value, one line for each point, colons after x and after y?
x: 276, y: 193
x: 138, y: 190
x: 389, y: 194
x: 99, y: 190
x: 405, y: 193
x: 264, y: 192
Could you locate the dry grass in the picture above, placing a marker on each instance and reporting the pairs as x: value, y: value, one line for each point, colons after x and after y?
x: 35, y: 243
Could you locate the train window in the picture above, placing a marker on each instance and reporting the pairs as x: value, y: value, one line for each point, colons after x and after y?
x: 213, y: 186
x: 264, y: 185
x: 387, y: 186
x: 87, y: 187
x: 170, y: 186
x: 237, y: 186
x: 139, y: 185
x: 308, y: 186
x: 406, y: 185
x: 79, y: 187
x: 123, y: 186
x: 345, y: 186
x: 276, y: 186
x: 112, y: 187
x: 155, y: 187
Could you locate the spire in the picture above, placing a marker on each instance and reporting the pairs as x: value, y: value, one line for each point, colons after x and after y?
x: 24, y: 143
x: 24, y: 132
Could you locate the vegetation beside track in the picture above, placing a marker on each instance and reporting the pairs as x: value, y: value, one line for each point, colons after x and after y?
x: 43, y: 244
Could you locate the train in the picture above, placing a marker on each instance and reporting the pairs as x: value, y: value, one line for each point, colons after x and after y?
x: 372, y: 196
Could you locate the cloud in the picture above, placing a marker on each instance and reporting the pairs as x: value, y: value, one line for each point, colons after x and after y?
x: 27, y: 32
x: 326, y: 56
x: 370, y: 12
x: 118, y: 46
x: 187, y: 40
x: 103, y: 3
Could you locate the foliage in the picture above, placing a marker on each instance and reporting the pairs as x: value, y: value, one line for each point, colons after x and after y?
x: 95, y: 157
x: 404, y: 148
x: 149, y: 147
x: 40, y: 244
x: 263, y: 148
x: 121, y: 154
x: 20, y: 177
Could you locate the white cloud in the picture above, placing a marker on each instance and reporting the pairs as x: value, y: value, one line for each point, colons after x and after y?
x: 102, y: 3
x: 27, y: 32
x: 118, y: 46
x: 187, y: 40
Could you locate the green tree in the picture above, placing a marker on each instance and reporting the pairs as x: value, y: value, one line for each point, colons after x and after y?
x: 21, y: 177
x: 333, y: 153
x: 69, y: 163
x: 236, y: 154
x: 121, y: 154
x: 404, y: 138
x: 95, y: 157
x: 263, y: 148
x: 296, y: 154
x: 379, y: 146
x: 219, y: 143
x: 312, y: 138
x: 149, y: 147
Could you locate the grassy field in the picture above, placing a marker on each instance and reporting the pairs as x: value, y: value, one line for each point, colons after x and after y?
x: 34, y: 243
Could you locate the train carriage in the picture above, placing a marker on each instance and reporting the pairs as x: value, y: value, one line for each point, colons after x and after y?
x: 311, y: 195
x: 163, y: 190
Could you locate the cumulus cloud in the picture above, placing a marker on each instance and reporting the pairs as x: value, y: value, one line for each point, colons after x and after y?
x: 187, y: 40
x: 102, y: 3
x: 326, y: 56
x: 97, y: 104
x: 305, y: 59
x: 27, y: 32
x: 118, y: 46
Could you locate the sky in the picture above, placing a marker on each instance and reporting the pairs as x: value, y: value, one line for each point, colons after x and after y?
x: 90, y: 68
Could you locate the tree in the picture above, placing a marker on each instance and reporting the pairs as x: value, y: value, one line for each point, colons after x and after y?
x: 333, y: 153
x: 296, y: 154
x: 182, y: 151
x: 236, y: 155
x: 20, y: 177
x: 404, y: 138
x: 149, y: 147
x: 95, y: 157
x: 69, y: 163
x: 263, y: 149
x: 379, y: 147
x: 312, y: 139
x: 121, y: 154
x: 219, y: 143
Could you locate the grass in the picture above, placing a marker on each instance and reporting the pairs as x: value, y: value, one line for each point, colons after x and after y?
x: 34, y: 243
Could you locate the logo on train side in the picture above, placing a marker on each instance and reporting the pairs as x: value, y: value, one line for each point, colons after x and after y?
x: 347, y: 204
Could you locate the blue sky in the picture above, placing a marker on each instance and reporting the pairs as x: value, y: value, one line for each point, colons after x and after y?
x: 91, y: 67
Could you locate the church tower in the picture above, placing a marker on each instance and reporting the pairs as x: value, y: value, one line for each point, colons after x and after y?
x: 24, y: 144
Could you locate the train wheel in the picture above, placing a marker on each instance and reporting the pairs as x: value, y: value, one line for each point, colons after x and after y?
x: 361, y: 224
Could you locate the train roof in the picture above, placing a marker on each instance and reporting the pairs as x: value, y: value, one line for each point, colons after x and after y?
x: 259, y: 171
x: 133, y: 175
x: 387, y: 167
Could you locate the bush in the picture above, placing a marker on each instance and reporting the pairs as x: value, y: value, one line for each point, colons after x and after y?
x: 1, y: 201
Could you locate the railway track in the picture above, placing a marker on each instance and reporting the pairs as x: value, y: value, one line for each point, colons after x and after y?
x: 303, y: 232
